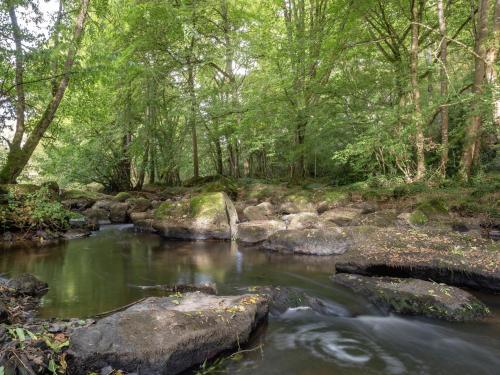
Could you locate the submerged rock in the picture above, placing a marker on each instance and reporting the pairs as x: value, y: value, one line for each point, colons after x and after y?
x: 309, y: 241
x: 166, y: 335
x: 75, y: 233
x: 259, y: 230
x: 27, y: 284
x: 416, y: 297
x: 281, y: 299
x: 204, y: 216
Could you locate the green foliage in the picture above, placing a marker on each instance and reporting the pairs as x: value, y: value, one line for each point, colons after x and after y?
x: 417, y: 217
x: 33, y: 211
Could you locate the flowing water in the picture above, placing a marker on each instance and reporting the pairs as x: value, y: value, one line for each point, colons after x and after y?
x: 103, y: 272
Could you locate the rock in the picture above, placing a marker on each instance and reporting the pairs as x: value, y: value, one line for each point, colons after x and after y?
x: 365, y: 207
x: 341, y: 215
x: 104, y: 204
x: 259, y: 230
x: 459, y: 227
x: 97, y: 215
x: 302, y: 220
x: 309, y: 241
x: 78, y: 204
x: 138, y: 204
x: 75, y: 233
x: 262, y: 211
x: 416, y: 297
x: 204, y: 216
x: 166, y: 335
x: 282, y: 299
x: 118, y: 213
x: 7, y: 236
x: 297, y: 205
x: 27, y: 284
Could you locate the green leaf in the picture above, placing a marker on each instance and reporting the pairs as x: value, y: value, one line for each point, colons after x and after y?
x: 20, y: 334
x: 52, y: 367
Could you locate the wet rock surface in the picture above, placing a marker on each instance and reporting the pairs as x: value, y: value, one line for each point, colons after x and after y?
x: 282, y: 299
x: 309, y: 241
x: 416, y: 297
x: 167, y: 335
x: 26, y: 284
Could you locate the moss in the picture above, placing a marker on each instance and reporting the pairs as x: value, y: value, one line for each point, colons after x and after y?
x: 417, y: 217
x: 227, y: 185
x: 433, y: 206
x: 81, y: 194
x: 206, y: 205
x: 121, y: 196
x: 333, y: 196
x: 166, y: 209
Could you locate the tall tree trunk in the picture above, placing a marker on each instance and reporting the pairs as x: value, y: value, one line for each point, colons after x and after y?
x: 444, y: 88
x: 492, y: 65
x: 218, y: 151
x: 192, y: 119
x: 415, y: 28
x: 18, y: 157
x: 471, y: 146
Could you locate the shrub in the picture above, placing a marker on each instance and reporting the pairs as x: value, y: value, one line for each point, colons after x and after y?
x: 34, y: 211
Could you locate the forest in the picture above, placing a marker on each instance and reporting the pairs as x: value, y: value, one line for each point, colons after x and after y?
x: 135, y: 92
x: 249, y: 187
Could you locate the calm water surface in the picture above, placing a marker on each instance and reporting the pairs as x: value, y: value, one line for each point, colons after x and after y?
x: 103, y: 272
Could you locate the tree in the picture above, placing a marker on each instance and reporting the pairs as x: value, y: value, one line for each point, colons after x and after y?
x: 19, y: 154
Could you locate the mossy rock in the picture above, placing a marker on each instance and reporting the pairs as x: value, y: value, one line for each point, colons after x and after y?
x: 333, y: 196
x: 121, y: 196
x: 417, y: 217
x: 82, y: 194
x: 207, y: 205
x: 223, y: 184
x: 433, y: 206
x: 170, y: 209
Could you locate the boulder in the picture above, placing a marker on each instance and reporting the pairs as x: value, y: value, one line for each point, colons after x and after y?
x: 416, y: 297
x: 166, y: 335
x: 97, y: 215
x: 302, y: 220
x: 262, y: 211
x: 309, y: 241
x: 27, y: 284
x: 259, y: 230
x: 138, y: 204
x: 104, y: 204
x: 118, y: 212
x: 204, y: 216
x: 296, y: 205
x: 341, y: 215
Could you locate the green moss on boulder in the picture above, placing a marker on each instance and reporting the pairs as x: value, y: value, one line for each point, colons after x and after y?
x: 121, y: 196
x: 417, y: 217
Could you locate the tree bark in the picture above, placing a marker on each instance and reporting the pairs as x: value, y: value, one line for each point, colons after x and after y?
x: 192, y: 113
x: 18, y: 157
x: 444, y: 117
x: 492, y: 65
x: 471, y: 146
x: 415, y: 17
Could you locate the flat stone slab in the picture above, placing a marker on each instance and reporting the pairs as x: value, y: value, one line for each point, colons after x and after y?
x: 309, y: 241
x: 258, y: 230
x: 416, y: 297
x: 167, y: 335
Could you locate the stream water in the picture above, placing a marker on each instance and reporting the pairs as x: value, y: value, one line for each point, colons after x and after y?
x: 103, y: 272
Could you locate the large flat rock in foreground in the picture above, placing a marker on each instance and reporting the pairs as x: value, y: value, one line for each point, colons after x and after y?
x: 416, y: 297
x: 167, y: 335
